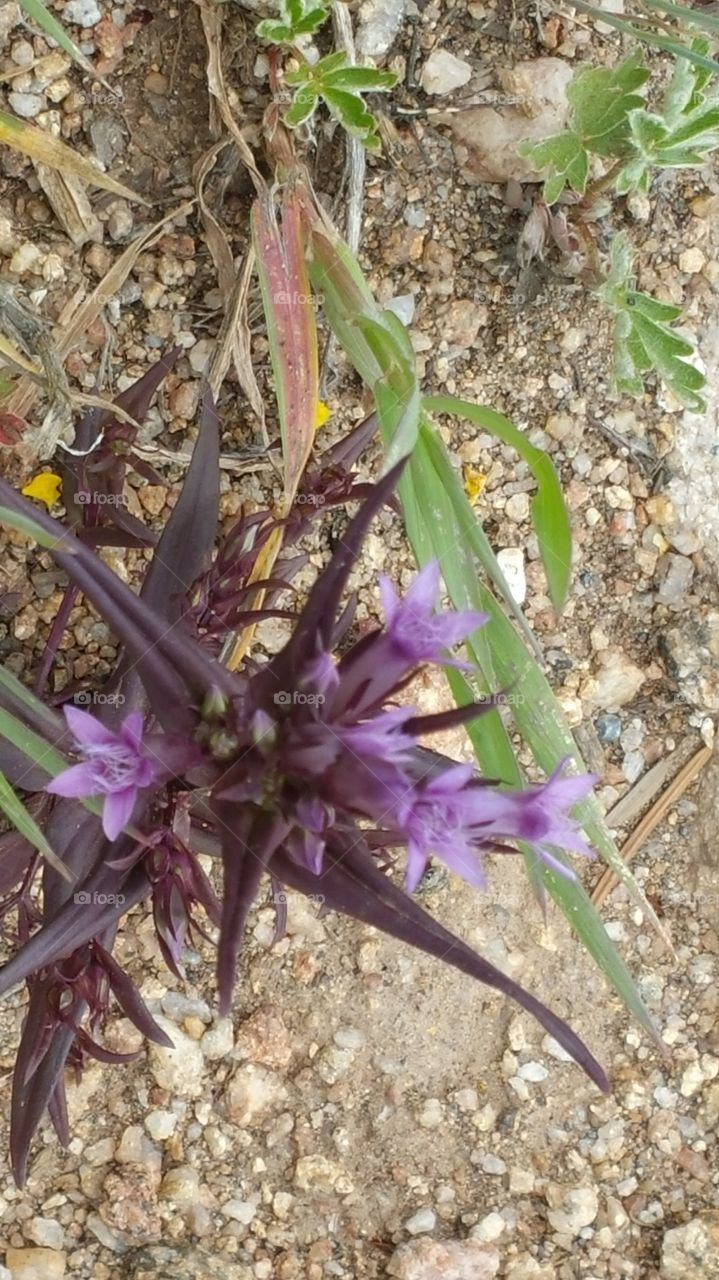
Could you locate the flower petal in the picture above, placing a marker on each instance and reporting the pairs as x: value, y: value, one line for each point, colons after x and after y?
x: 117, y: 811
x: 131, y: 730
x: 77, y: 781
x: 389, y: 597
x: 85, y: 729
x: 424, y: 592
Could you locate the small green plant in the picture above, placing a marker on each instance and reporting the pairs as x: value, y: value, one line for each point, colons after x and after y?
x: 601, y: 101
x: 297, y: 18
x: 610, y: 120
x: 643, y: 336
x: 332, y: 80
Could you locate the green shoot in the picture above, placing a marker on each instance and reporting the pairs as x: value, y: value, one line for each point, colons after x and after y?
x: 340, y: 86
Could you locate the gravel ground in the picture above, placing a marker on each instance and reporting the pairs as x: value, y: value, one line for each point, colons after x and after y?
x: 366, y: 1113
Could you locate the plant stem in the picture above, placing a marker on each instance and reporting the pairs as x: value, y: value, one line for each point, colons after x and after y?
x: 604, y: 183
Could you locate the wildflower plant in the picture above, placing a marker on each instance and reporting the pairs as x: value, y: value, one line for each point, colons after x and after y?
x: 610, y: 120
x: 306, y: 769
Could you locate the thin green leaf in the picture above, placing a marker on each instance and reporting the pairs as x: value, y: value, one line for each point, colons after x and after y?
x: 397, y: 390
x: 37, y: 12
x: 650, y: 37
x: 31, y: 744
x: 25, y: 525
x: 683, y: 14
x: 549, y: 510
x: 23, y: 821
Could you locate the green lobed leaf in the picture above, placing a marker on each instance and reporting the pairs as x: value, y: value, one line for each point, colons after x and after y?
x: 297, y: 18
x: 568, y: 163
x: 303, y: 105
x: 350, y: 111
x: 685, y: 90
x: 363, y: 79
x: 601, y: 99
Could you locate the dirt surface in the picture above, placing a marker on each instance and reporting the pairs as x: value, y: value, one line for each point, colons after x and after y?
x: 367, y: 1112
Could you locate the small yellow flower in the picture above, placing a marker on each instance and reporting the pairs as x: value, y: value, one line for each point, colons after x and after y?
x: 474, y: 483
x: 324, y: 413
x: 45, y: 487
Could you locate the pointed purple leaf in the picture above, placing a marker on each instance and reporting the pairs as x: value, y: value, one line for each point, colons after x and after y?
x: 352, y: 884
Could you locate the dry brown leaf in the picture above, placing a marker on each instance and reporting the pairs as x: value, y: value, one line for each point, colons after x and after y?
x: 69, y: 202
x: 212, y: 25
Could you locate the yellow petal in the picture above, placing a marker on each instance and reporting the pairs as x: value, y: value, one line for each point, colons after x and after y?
x: 474, y: 482
x: 324, y: 413
x: 45, y: 487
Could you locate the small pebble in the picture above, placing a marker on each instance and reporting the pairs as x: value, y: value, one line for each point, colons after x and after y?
x: 26, y: 105
x: 608, y: 727
x: 422, y: 1221
x: 533, y: 1071
x: 511, y: 562
x: 691, y: 261
x: 84, y: 13
x: 25, y: 258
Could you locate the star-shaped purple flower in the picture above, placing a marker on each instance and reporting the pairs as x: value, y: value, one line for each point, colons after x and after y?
x: 115, y: 766
x: 436, y: 818
x: 453, y: 818
x: 416, y: 631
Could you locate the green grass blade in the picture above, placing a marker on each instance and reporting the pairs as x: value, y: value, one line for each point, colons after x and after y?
x: 31, y: 744
x: 24, y: 524
x: 680, y: 12
x: 647, y: 36
x: 549, y: 510
x: 439, y: 518
x: 431, y: 528
x: 23, y: 821
x: 41, y: 714
x: 574, y: 901
x: 36, y: 11
x: 503, y: 661
x: 469, y: 526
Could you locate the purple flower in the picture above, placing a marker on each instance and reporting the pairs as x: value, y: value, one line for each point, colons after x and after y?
x: 307, y: 840
x: 438, y: 818
x: 455, y: 818
x: 539, y: 815
x: 417, y: 632
x: 382, y: 737
x: 115, y: 766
